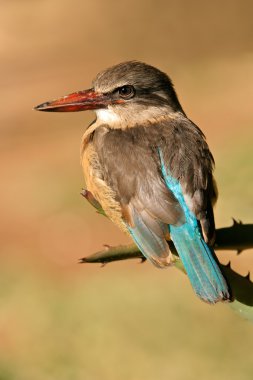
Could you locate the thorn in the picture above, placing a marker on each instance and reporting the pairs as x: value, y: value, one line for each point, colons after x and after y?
x: 103, y: 264
x: 143, y: 259
x: 236, y: 223
x: 82, y: 260
x: 247, y: 276
x: 228, y: 265
x: 107, y: 246
x: 239, y: 251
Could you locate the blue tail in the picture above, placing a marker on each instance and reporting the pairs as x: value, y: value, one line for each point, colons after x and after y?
x: 197, y: 257
x: 200, y: 265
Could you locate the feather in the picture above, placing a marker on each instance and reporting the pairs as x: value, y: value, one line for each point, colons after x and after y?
x: 153, y: 246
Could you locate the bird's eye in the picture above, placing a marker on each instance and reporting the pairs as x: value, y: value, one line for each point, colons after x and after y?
x: 126, y: 92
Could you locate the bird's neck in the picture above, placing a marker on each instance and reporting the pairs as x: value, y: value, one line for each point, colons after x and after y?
x: 113, y: 119
x: 130, y: 117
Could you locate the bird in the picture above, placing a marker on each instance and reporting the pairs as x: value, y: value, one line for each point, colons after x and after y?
x: 151, y: 170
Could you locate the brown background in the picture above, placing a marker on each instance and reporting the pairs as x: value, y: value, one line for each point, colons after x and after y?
x: 60, y: 320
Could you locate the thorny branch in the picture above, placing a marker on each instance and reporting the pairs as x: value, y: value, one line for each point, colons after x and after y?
x: 238, y: 237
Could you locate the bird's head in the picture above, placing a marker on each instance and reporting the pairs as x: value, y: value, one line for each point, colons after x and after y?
x: 128, y: 91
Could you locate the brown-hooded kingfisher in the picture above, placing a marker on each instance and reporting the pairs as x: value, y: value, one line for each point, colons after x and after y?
x: 150, y: 168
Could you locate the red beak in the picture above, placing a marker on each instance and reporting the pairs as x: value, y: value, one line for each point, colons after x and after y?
x: 78, y: 101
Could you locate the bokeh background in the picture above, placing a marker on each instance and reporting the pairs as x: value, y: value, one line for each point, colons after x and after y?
x: 60, y: 320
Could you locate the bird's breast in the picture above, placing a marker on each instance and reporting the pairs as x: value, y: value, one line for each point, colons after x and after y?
x: 95, y: 183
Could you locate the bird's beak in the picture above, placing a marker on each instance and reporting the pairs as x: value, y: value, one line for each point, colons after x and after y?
x: 78, y: 101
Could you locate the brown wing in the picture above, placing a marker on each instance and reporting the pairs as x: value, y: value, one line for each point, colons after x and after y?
x: 187, y: 155
x: 131, y: 168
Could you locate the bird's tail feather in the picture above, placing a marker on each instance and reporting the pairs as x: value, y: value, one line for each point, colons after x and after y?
x: 197, y: 257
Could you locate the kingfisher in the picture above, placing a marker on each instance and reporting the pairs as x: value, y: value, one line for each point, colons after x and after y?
x: 150, y: 168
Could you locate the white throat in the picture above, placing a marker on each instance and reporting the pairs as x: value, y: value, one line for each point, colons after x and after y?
x: 107, y: 116
x: 131, y: 116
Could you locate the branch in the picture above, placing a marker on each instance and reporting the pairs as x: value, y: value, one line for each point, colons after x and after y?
x: 238, y: 237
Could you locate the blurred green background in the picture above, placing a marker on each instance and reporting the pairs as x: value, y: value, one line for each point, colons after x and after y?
x: 60, y: 320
